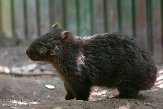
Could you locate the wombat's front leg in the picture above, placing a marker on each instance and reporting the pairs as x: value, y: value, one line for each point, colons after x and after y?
x: 81, y: 91
x: 69, y: 94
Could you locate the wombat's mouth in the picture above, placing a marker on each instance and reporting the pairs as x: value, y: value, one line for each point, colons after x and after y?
x: 34, y: 58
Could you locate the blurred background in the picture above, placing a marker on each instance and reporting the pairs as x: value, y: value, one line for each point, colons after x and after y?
x: 25, y: 20
x: 22, y: 21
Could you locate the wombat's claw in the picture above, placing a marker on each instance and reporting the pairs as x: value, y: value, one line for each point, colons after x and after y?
x: 69, y: 97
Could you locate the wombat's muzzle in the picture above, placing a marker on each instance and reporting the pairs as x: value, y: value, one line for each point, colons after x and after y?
x: 38, y: 54
x: 28, y: 52
x: 30, y: 55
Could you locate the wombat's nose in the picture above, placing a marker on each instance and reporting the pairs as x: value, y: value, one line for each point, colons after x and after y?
x: 28, y: 52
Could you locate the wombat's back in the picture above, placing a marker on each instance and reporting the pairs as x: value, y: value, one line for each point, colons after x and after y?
x: 113, y: 58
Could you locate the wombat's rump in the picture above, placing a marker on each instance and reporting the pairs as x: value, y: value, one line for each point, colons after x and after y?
x: 108, y: 60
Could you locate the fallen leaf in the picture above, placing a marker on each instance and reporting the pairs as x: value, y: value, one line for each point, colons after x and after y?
x: 49, y: 86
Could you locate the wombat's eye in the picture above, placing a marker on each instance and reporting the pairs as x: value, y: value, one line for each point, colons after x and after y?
x: 43, y: 51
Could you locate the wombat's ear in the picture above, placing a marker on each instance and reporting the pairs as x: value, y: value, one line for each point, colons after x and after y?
x: 55, y: 26
x: 66, y: 36
x: 55, y: 29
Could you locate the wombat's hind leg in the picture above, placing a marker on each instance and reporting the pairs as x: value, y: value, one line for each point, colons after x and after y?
x: 127, y: 90
x: 82, y: 93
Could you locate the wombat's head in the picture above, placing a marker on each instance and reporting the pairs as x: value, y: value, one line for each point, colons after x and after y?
x: 48, y: 46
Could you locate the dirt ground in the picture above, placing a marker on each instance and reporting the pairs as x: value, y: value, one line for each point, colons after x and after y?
x: 30, y: 92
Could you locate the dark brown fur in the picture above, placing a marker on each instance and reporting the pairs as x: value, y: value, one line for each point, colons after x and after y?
x: 108, y: 60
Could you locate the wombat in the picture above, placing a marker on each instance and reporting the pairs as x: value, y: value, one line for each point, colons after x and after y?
x: 108, y: 60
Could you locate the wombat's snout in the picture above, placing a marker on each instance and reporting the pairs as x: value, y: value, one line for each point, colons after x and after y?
x: 37, y: 54
x: 28, y: 52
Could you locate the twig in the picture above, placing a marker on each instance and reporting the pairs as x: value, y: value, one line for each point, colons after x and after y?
x: 28, y: 74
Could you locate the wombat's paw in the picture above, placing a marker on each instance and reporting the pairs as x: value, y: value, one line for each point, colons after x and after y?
x: 69, y: 96
x: 128, y: 95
